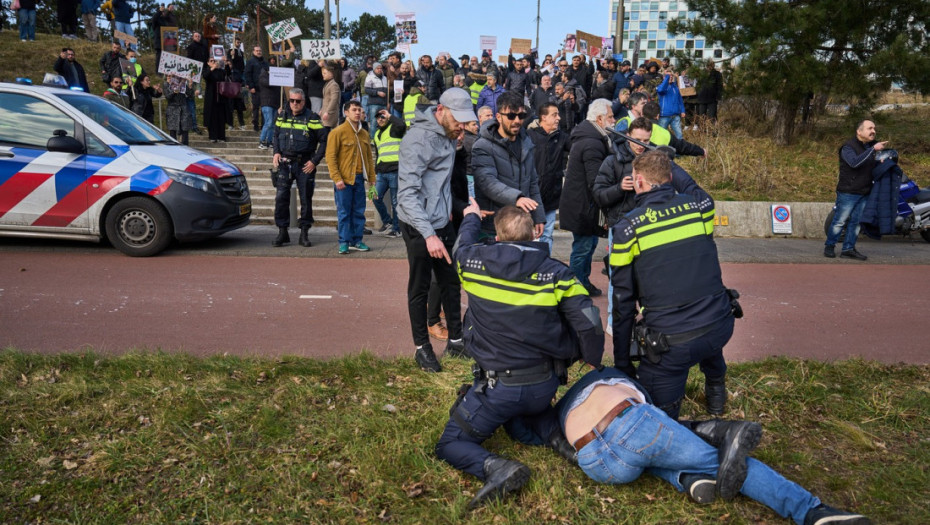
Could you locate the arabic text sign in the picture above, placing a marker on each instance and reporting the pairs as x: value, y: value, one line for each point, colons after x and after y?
x: 488, y: 42
x: 172, y: 64
x: 320, y: 49
x: 521, y: 45
x: 280, y: 31
x: 281, y: 76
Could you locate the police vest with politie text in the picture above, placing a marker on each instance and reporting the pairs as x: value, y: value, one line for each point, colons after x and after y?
x: 298, y: 136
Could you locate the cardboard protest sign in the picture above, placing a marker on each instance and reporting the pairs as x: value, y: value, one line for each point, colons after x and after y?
x: 405, y: 28
x: 169, y: 40
x: 570, y: 43
x: 402, y: 48
x: 687, y: 86
x: 128, y: 68
x: 320, y: 49
x: 126, y: 38
x: 235, y: 25
x: 521, y: 46
x: 281, y: 76
x: 172, y: 64
x: 487, y: 43
x: 283, y: 30
x: 592, y: 43
x: 218, y: 54
x: 502, y: 60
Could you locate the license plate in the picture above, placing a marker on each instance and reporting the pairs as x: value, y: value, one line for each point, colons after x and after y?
x: 245, y: 208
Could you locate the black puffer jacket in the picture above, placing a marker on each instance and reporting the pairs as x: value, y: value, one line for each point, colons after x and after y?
x: 578, y: 211
x: 551, y: 151
x: 614, y: 201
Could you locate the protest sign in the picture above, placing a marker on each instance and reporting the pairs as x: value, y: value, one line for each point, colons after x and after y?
x: 403, y: 48
x: 569, y: 43
x: 177, y: 84
x: 218, y: 54
x: 502, y: 60
x: 687, y: 86
x: 521, y: 45
x: 172, y: 64
x: 128, y: 68
x: 320, y: 49
x: 169, y: 40
x: 488, y: 43
x: 281, y: 76
x: 591, y: 43
x: 283, y: 30
x: 405, y: 28
x: 398, y: 91
x: 123, y: 36
x: 607, y: 47
x: 235, y: 25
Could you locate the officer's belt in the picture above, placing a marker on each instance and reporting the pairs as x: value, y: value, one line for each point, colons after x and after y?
x: 684, y: 337
x: 522, y: 376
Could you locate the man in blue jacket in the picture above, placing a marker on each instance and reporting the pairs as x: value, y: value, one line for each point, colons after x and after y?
x: 527, y: 318
x: 671, y: 105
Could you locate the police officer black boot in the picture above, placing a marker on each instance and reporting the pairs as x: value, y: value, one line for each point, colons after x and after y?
x: 734, y: 441
x: 304, y: 240
x: 559, y: 443
x: 501, y: 477
x: 282, y: 238
x: 715, y: 391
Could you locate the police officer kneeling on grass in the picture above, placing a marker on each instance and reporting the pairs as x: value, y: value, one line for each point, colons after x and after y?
x: 299, y: 146
x: 527, y: 317
x: 664, y: 257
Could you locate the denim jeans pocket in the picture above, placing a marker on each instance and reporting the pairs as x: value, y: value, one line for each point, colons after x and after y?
x: 647, y: 436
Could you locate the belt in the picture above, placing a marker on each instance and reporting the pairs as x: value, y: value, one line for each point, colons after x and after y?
x: 602, y: 425
x: 682, y: 338
x: 522, y: 376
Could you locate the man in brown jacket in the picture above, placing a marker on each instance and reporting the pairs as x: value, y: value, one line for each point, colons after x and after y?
x: 350, y: 161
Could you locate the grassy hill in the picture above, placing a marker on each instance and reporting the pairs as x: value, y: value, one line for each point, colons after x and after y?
x: 743, y: 162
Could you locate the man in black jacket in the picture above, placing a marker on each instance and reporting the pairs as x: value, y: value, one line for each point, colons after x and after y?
x: 71, y: 69
x: 164, y: 17
x: 109, y: 63
x: 711, y: 90
x: 253, y: 70
x: 200, y: 51
x: 431, y: 78
x: 552, y: 147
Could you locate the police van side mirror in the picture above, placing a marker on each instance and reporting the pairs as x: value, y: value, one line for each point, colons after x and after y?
x: 64, y: 144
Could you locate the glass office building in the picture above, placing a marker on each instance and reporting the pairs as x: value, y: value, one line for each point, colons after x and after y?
x: 650, y: 20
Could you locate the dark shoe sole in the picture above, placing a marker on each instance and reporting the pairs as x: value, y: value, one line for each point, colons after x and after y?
x: 733, y: 468
x: 829, y: 255
x: 855, y: 257
x: 514, y: 482
x: 703, y: 491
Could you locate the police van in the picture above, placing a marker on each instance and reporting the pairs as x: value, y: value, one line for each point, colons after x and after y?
x: 76, y: 166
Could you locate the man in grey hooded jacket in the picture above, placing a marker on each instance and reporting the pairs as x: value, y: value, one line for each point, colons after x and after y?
x: 424, y: 205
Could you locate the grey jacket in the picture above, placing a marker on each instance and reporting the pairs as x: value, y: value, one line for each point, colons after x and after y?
x: 501, y: 178
x: 424, y: 194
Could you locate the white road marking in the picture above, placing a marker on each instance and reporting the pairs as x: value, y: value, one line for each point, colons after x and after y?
x: 316, y: 296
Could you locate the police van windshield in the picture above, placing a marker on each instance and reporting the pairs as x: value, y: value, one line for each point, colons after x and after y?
x: 127, y: 126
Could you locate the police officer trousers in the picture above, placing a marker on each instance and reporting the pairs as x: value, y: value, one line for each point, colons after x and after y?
x: 306, y: 183
x: 483, y: 414
x: 665, y: 381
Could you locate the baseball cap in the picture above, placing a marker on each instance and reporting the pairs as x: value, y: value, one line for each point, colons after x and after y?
x: 625, y: 63
x: 464, y: 57
x: 458, y: 102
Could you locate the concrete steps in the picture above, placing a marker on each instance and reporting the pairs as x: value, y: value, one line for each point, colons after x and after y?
x: 241, y: 149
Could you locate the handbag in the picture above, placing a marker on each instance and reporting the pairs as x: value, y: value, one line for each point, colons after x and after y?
x: 229, y: 89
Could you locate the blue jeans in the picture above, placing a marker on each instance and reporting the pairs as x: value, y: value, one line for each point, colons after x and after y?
x: 548, y: 229
x: 27, y: 24
x: 371, y: 111
x: 583, y: 247
x: 645, y: 438
x: 672, y: 124
x: 849, y: 208
x: 267, y: 134
x: 125, y: 27
x: 350, y: 212
x: 383, y: 183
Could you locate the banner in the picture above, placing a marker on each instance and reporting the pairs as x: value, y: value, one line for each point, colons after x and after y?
x: 522, y: 46
x: 280, y: 31
x: 320, y: 49
x: 172, y: 64
x: 281, y: 76
x: 588, y: 44
x: 487, y: 43
x: 570, y: 43
x: 235, y: 25
x: 607, y: 47
x: 405, y: 27
x: 126, y: 38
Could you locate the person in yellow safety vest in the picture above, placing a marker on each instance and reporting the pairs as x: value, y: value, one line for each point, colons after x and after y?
x: 411, y: 101
x: 662, y: 137
x: 636, y: 102
x: 474, y: 88
x: 128, y: 77
x: 387, y: 139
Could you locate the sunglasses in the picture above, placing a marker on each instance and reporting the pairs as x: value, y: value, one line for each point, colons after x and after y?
x: 295, y: 100
x: 521, y: 115
x: 381, y: 117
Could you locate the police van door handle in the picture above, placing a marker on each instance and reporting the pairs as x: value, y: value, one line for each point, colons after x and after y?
x: 7, y: 154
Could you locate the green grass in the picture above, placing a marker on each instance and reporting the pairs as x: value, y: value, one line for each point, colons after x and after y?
x: 159, y: 438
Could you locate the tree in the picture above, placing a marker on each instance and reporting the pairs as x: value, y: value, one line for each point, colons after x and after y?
x: 369, y: 35
x: 788, y: 51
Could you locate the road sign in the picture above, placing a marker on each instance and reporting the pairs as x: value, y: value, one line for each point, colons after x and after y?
x: 781, y: 219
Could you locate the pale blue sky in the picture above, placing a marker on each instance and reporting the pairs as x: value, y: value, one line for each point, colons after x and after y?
x: 455, y: 25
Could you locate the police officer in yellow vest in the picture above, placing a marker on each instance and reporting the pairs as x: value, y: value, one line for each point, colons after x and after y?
x: 299, y: 145
x: 387, y: 150
x: 412, y: 100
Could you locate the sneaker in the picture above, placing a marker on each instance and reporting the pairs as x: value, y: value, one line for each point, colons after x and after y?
x: 456, y: 348
x: 593, y: 291
x: 393, y: 235
x: 700, y: 487
x: 823, y: 515
x: 853, y: 254
x: 609, y: 330
x: 829, y: 252
x: 343, y: 248
x: 438, y: 331
x: 242, y: 128
x: 426, y: 359
x: 384, y: 228
x: 366, y: 231
x: 261, y: 145
x: 360, y: 247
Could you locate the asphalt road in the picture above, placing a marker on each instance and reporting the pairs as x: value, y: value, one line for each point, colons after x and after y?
x: 239, y: 295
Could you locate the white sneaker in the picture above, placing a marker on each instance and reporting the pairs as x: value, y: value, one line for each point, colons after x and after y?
x: 609, y: 330
x: 262, y: 146
x: 241, y: 128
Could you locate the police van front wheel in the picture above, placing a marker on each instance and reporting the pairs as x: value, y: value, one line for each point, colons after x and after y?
x: 139, y: 227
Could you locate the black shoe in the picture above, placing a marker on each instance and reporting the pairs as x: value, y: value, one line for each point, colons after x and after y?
x: 426, y: 359
x: 853, y: 254
x: 256, y: 128
x: 829, y: 251
x: 303, y: 240
x: 282, y: 238
x: 456, y: 349
x: 558, y: 442
x: 604, y: 271
x: 593, y: 291
x: 739, y: 439
x: 700, y: 487
x: 366, y: 231
x: 715, y: 391
x: 502, y: 476
x: 823, y: 515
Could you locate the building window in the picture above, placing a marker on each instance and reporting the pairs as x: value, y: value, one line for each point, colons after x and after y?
x: 660, y: 44
x: 644, y: 25
x: 663, y: 24
x: 689, y: 44
x: 699, y: 44
x: 651, y: 44
x: 634, y: 15
x: 679, y: 44
x: 718, y: 53
x: 698, y: 54
x: 660, y: 54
